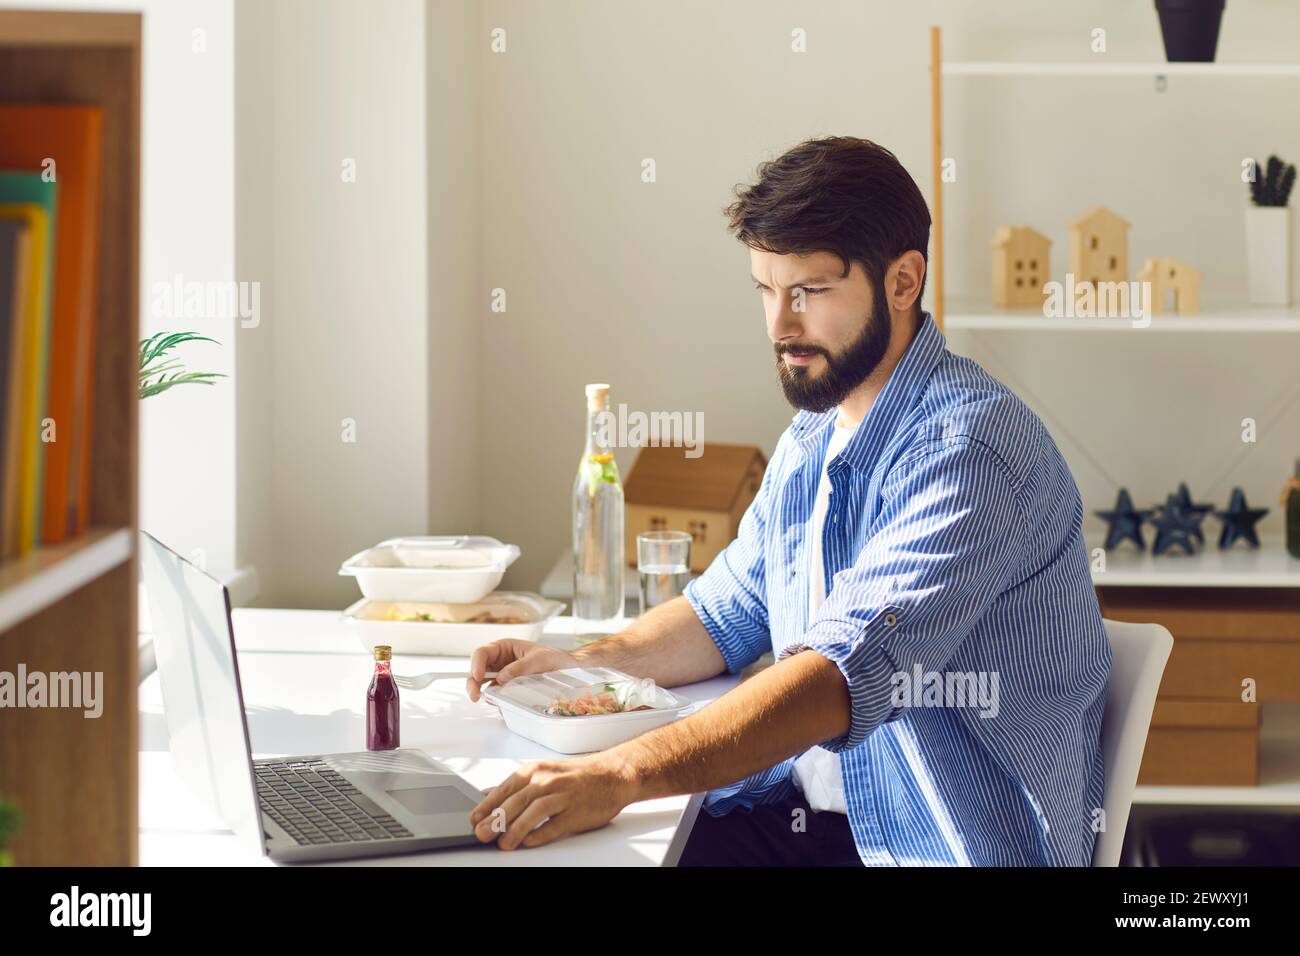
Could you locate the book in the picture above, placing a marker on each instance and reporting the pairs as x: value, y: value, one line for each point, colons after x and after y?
x: 23, y: 444
x: 15, y: 239
x: 65, y: 143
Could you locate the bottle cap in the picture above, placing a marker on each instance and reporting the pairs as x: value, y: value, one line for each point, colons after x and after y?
x: 383, y: 652
x: 597, y: 396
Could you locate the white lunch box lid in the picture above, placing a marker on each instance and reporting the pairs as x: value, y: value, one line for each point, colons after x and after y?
x: 434, y: 554
x: 532, y: 692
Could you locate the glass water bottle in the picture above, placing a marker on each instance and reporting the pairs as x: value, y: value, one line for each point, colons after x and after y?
x: 597, y: 528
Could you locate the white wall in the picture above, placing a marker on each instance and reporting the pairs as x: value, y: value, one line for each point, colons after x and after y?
x: 454, y: 63
x: 255, y: 261
x: 614, y: 280
x: 187, y: 435
x: 347, y: 266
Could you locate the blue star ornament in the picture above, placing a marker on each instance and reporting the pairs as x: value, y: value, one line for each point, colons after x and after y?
x: 1239, y: 521
x: 1192, y: 511
x: 1174, y: 526
x: 1125, y: 522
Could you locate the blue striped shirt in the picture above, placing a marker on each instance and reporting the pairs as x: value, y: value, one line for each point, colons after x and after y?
x: 955, y: 556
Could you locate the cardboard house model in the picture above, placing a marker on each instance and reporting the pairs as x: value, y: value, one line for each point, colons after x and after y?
x: 1098, y: 247
x: 1020, y: 266
x: 707, y: 495
x: 1175, y: 286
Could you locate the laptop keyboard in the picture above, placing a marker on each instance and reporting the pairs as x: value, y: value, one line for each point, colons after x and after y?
x: 316, y: 805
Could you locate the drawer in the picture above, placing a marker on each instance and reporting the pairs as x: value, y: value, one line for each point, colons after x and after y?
x: 1215, y: 669
x: 1219, y: 614
x: 1202, y: 743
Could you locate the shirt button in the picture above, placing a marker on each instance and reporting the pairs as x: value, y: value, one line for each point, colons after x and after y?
x: 891, y: 619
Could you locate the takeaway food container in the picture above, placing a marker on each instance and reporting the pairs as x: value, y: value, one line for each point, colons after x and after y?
x: 523, y: 703
x: 458, y: 569
x: 450, y: 630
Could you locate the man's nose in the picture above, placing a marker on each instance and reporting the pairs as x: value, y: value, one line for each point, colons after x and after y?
x: 783, y: 321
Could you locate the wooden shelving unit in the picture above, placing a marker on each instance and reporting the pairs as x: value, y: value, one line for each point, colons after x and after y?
x: 73, y: 607
x: 1103, y: 67
x: 48, y: 575
x: 983, y: 317
x: 1227, y: 605
x: 964, y: 315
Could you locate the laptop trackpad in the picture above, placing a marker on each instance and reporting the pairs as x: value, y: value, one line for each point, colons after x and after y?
x: 433, y: 800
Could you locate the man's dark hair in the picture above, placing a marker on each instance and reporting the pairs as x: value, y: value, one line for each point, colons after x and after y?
x: 841, y: 194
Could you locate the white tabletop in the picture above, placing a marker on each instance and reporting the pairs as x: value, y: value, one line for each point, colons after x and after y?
x: 304, y: 679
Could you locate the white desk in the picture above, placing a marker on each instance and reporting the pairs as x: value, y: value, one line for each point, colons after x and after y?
x: 304, y: 678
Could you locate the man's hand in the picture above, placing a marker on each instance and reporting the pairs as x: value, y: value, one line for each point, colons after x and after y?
x: 576, y: 795
x: 667, y: 643
x: 511, y: 659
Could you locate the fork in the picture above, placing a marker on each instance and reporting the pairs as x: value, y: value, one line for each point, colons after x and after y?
x: 421, y: 681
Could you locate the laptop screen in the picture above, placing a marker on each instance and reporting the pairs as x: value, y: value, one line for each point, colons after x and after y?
x: 195, y: 648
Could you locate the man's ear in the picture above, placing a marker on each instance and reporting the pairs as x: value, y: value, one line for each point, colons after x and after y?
x: 903, y: 281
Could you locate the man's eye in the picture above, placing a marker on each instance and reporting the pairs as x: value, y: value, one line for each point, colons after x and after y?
x: 808, y: 291
x: 759, y: 287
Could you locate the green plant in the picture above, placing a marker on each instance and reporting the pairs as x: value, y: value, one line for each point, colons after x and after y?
x: 159, y: 371
x: 10, y: 820
x: 1274, y: 186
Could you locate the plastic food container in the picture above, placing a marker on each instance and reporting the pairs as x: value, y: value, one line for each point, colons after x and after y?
x: 523, y: 703
x: 450, y: 630
x: 458, y: 569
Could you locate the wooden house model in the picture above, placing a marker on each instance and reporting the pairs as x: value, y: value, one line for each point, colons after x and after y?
x: 1175, y: 286
x: 1098, y: 247
x: 1021, y: 258
x: 706, y: 496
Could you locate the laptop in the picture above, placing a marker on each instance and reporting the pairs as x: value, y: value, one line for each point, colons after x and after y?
x: 318, y: 807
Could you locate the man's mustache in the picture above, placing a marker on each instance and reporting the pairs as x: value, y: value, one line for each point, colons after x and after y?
x: 801, y: 350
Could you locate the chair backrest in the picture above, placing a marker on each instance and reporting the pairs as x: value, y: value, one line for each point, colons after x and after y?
x: 1139, y: 653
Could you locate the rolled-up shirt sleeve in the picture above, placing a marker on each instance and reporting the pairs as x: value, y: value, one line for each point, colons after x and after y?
x: 730, y: 596
x: 935, y: 558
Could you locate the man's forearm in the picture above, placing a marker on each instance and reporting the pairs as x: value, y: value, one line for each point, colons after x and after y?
x: 779, y: 712
x: 667, y: 643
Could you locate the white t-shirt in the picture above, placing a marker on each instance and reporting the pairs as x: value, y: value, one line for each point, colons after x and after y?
x: 817, y: 771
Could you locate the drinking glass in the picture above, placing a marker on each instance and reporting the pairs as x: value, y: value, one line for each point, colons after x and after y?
x: 663, y: 562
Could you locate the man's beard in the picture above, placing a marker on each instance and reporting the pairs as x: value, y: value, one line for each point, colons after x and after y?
x: 844, y: 372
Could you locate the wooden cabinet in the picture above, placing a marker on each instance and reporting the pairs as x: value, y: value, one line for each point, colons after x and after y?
x: 1234, y: 648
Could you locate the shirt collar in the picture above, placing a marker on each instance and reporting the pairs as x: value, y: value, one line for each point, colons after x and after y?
x: 811, y: 429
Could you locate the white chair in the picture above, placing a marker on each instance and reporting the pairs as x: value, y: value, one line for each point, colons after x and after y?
x: 1139, y: 654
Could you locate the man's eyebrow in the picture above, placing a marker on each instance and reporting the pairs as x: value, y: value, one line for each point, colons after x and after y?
x: 810, y: 281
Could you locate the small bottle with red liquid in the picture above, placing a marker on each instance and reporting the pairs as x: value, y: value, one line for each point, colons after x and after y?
x: 383, y: 709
